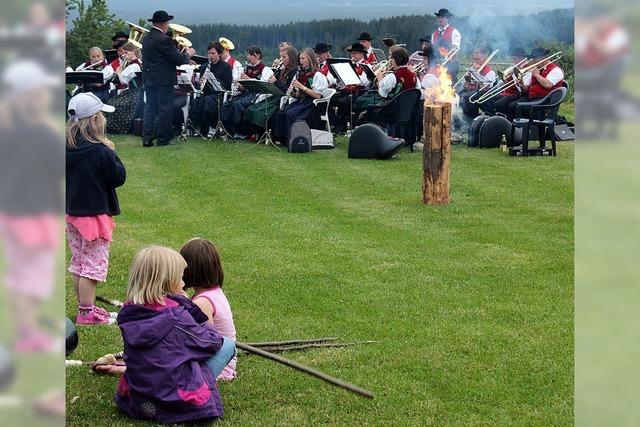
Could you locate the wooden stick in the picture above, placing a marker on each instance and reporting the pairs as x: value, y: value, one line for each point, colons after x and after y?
x: 113, y: 302
x: 289, y: 342
x: 331, y: 380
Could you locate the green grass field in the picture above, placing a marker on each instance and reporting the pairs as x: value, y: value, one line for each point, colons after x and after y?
x: 472, y: 303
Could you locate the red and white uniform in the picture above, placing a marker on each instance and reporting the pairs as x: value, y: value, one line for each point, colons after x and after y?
x: 552, y: 73
x: 447, y: 37
x: 236, y: 67
x: 324, y: 69
x: 401, y: 75
x: 133, y: 67
x: 361, y: 74
x: 370, y: 57
x: 607, y: 45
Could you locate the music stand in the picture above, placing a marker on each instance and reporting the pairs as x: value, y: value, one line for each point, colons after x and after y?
x: 345, y: 72
x: 110, y: 55
x: 198, y: 59
x: 185, y: 84
x: 84, y: 79
x: 260, y: 87
x: 219, y: 130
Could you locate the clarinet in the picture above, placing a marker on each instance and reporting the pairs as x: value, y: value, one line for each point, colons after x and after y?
x: 290, y: 89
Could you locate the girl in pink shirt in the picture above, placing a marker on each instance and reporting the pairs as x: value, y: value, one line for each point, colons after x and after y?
x: 204, y: 274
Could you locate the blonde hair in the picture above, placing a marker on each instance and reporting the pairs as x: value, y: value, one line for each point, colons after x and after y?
x: 95, y: 49
x: 91, y: 128
x: 156, y: 271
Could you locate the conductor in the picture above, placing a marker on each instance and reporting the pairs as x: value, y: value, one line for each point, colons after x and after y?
x: 160, y: 56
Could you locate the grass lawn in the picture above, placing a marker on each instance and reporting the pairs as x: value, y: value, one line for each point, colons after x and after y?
x: 472, y: 303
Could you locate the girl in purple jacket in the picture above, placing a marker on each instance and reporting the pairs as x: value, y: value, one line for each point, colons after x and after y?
x: 172, y: 353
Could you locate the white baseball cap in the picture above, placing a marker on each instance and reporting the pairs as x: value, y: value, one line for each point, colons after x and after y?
x: 85, y: 105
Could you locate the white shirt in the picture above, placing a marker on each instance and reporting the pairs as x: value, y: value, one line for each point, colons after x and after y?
x: 129, y: 73
x: 236, y: 70
x: 364, y: 80
x: 456, y: 37
x: 388, y: 84
x: 429, y: 81
x: 556, y: 75
x: 320, y: 83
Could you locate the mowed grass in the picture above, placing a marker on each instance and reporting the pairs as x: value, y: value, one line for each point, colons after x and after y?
x: 472, y: 303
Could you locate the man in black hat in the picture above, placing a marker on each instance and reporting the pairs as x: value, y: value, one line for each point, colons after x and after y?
x: 323, y: 52
x: 444, y: 39
x: 117, y: 37
x: 358, y: 56
x: 365, y: 39
x: 160, y: 56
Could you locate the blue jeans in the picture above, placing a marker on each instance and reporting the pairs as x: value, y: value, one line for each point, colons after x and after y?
x: 218, y: 361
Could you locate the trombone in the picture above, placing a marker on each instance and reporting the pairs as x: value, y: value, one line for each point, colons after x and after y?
x: 471, y: 71
x: 518, y: 73
x: 450, y: 55
x: 504, y: 74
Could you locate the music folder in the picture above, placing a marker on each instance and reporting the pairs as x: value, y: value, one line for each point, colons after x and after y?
x: 344, y: 71
x: 83, y: 77
x: 260, y: 87
x: 198, y: 59
x: 110, y: 55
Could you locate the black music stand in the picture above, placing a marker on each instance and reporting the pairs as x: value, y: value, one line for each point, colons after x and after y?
x: 184, y: 83
x: 110, y: 55
x: 198, y: 59
x: 219, y: 130
x: 347, y: 76
x: 259, y: 87
x: 84, y: 79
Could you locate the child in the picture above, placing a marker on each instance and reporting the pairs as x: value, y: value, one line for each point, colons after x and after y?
x: 204, y: 273
x: 173, y: 354
x: 94, y: 171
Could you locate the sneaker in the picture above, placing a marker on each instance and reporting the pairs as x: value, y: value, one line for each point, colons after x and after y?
x: 92, y: 317
x: 240, y: 136
x: 101, y: 310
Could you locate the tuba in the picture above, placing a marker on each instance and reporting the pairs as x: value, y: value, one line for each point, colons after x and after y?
x: 136, y: 33
x: 178, y: 35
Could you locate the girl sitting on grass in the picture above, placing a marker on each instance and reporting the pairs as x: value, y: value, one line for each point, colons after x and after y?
x: 173, y: 354
x: 204, y: 274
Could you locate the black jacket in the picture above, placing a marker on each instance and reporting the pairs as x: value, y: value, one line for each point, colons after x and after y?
x: 160, y: 56
x: 94, y: 171
x: 222, y: 71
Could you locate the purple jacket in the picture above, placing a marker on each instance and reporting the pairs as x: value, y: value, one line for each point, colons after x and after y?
x: 166, y: 349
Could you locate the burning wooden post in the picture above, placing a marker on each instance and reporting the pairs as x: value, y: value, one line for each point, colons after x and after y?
x: 436, y: 153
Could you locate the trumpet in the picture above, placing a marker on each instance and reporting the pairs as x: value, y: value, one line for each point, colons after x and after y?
x: 518, y: 73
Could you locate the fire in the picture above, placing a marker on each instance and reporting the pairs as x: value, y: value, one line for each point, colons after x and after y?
x: 443, y: 90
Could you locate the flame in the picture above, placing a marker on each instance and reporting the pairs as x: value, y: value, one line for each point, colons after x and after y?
x: 443, y: 92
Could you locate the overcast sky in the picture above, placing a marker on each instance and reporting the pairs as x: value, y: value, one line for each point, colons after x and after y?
x: 268, y: 12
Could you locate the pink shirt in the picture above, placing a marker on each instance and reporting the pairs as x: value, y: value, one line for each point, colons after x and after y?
x: 92, y: 227
x: 223, y: 322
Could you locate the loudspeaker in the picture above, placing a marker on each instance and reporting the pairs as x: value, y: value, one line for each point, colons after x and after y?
x: 299, y: 138
x: 369, y: 141
x: 564, y: 133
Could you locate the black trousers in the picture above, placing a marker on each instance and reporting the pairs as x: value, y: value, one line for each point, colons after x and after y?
x: 501, y: 105
x: 158, y: 114
x: 513, y: 107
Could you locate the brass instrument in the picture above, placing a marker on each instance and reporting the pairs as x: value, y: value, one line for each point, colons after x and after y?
x: 382, y: 65
x: 518, y: 73
x: 450, y: 55
x: 470, y: 71
x: 136, y: 34
x: 178, y: 35
x: 504, y: 74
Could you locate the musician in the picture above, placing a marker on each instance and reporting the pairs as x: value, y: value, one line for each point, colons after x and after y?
x: 236, y: 66
x: 445, y: 38
x: 430, y: 75
x: 425, y: 42
x: 259, y: 114
x: 205, y: 108
x: 129, y: 88
x: 308, y: 85
x: 96, y: 62
x: 544, y: 80
x: 479, y: 83
x: 365, y: 39
x: 399, y: 79
x: 514, y: 92
x: 124, y: 67
x: 160, y: 58
x: 117, y: 38
x: 358, y: 53
x: 233, y: 109
x: 323, y: 52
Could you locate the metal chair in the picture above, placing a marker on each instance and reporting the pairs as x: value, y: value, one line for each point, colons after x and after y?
x: 542, y: 115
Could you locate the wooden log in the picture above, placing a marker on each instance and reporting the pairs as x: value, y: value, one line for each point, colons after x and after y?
x: 436, y: 154
x: 300, y: 367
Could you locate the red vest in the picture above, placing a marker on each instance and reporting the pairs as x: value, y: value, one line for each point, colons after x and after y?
x: 254, y: 71
x: 359, y: 69
x: 536, y: 90
x: 406, y: 78
x: 445, y: 39
x: 594, y: 57
x: 325, y: 69
x: 371, y: 58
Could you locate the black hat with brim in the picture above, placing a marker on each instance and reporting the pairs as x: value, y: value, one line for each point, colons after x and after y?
x: 517, y: 51
x: 119, y: 35
x: 427, y: 51
x: 443, y: 13
x: 365, y: 36
x: 322, y: 47
x: 425, y: 39
x: 357, y: 47
x: 160, y: 16
x: 539, y: 52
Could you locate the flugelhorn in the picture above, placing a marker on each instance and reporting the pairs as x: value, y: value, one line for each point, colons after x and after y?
x: 518, y: 73
x: 136, y: 33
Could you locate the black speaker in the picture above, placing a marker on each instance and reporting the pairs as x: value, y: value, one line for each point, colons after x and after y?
x: 369, y: 141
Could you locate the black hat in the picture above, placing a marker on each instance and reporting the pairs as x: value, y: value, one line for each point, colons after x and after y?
x: 357, y: 47
x: 365, y: 36
x: 120, y: 43
x: 119, y: 35
x: 539, y: 52
x: 443, y: 13
x: 160, y: 16
x: 427, y: 51
x: 517, y: 51
x: 322, y: 47
x: 425, y: 39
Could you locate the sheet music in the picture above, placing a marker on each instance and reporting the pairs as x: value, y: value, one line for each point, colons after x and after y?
x: 346, y: 74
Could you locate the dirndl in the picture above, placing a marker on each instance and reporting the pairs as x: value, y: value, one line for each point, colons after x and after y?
x: 259, y: 113
x: 121, y: 120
